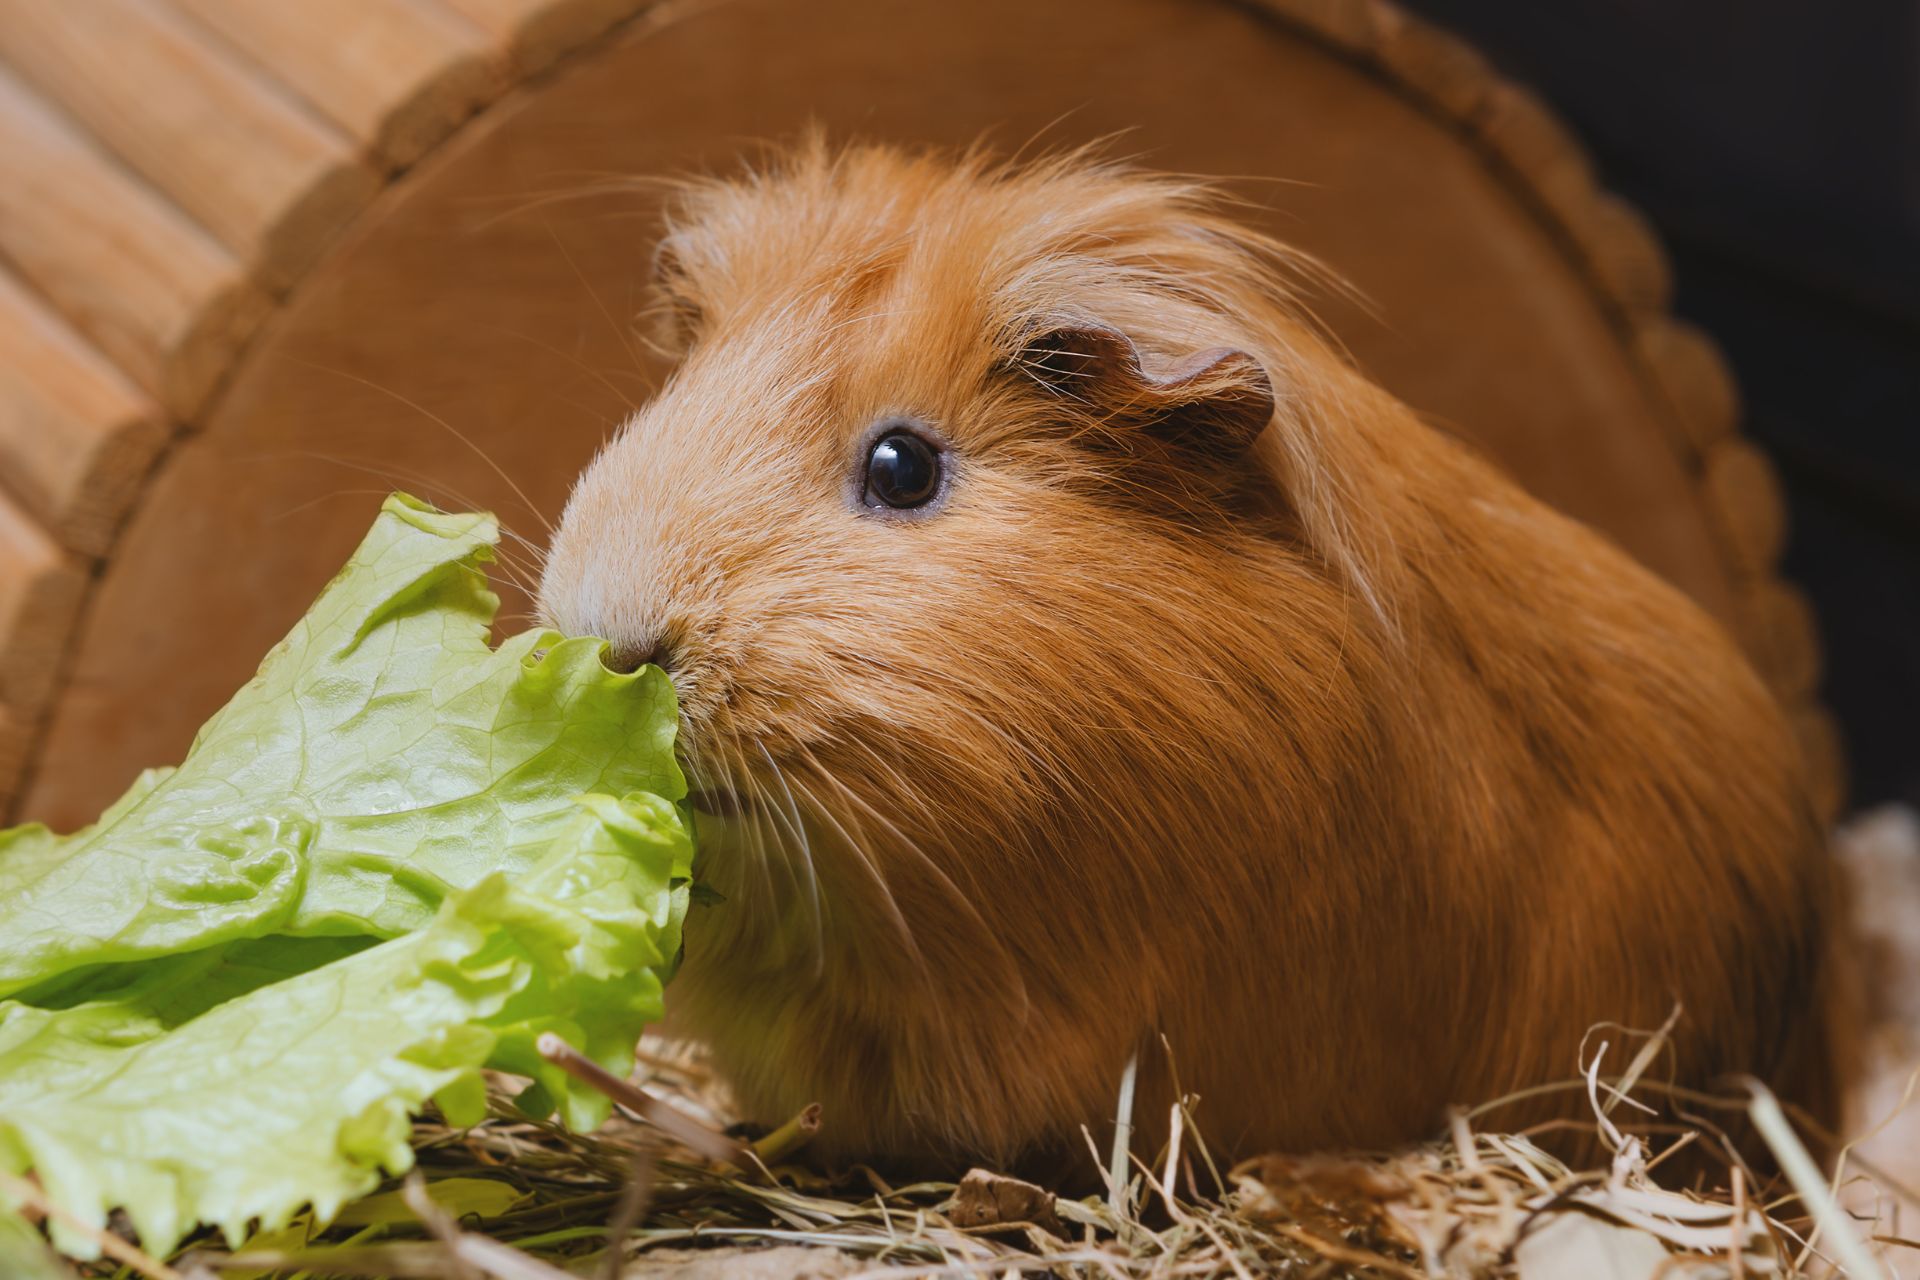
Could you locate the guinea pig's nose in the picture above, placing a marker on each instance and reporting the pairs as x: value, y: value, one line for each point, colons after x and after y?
x: 628, y: 656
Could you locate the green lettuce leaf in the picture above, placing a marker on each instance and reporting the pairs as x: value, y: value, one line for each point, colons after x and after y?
x: 396, y: 857
x: 243, y: 1082
x: 383, y: 757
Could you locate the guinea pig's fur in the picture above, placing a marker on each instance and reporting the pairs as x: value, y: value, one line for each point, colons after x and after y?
x: 1220, y: 711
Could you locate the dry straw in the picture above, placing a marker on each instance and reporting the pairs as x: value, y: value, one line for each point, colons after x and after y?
x: 515, y: 1199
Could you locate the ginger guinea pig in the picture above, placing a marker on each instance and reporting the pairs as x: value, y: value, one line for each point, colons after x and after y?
x: 1075, y: 652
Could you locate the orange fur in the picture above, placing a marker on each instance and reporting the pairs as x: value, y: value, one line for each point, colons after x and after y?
x: 1367, y: 781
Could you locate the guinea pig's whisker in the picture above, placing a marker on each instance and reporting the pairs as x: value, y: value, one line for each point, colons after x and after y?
x: 1011, y: 976
x: 534, y: 551
x: 471, y: 445
x: 426, y: 486
x: 766, y: 841
x: 856, y: 842
x: 620, y: 333
x: 796, y: 864
x: 523, y: 571
x: 751, y: 821
x: 601, y: 376
x: 797, y: 829
x: 304, y: 507
x: 989, y: 939
x: 770, y: 839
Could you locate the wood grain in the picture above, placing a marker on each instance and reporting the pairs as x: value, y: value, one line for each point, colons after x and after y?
x: 220, y: 138
x: 509, y: 327
x: 76, y: 438
x: 1510, y: 299
x: 396, y: 75
x: 141, y: 280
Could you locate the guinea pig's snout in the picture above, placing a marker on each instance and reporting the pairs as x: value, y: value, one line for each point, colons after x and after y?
x: 629, y: 655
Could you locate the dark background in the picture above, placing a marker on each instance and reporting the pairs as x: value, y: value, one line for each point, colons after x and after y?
x: 1776, y: 145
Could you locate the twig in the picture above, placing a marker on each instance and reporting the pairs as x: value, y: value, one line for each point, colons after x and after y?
x: 633, y: 1206
x: 127, y: 1255
x: 662, y: 1115
x: 438, y: 1223
x: 790, y: 1137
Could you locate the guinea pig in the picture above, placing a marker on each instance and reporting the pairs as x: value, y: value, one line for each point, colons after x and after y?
x: 1080, y: 662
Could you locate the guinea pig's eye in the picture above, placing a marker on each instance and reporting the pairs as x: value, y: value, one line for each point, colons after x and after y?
x: 903, y: 471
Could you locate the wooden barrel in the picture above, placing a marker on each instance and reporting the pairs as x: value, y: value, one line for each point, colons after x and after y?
x: 260, y: 262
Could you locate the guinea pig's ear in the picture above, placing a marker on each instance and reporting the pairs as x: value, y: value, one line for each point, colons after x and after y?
x: 1214, y: 402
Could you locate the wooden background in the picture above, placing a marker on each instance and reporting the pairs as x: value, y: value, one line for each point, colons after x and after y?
x: 260, y: 262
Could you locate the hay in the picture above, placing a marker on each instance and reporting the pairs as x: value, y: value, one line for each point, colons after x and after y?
x: 522, y: 1200
x: 677, y: 1199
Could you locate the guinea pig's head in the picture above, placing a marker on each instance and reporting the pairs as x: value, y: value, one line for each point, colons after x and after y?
x: 940, y: 525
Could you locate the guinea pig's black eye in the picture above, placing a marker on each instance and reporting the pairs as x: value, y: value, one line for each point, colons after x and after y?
x: 903, y: 470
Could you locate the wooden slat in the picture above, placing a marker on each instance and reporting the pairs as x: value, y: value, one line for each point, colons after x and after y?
x: 1624, y: 254
x: 1824, y: 750
x: 397, y: 75
x: 1531, y: 140
x: 41, y: 589
x: 1351, y: 26
x: 1693, y: 378
x: 225, y: 142
x: 141, y: 280
x: 537, y: 32
x: 1783, y: 639
x: 76, y: 438
x: 1743, y: 497
x: 1431, y: 63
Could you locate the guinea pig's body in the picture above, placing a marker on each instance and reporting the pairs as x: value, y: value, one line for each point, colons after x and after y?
x: 1209, y: 697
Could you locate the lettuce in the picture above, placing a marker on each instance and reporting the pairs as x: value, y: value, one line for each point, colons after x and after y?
x: 395, y: 857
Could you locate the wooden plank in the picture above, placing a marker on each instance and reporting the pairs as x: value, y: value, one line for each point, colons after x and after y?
x: 1351, y: 26
x: 397, y: 75
x: 1625, y: 255
x: 145, y: 284
x: 1693, y: 377
x: 1430, y: 63
x: 41, y: 590
x: 1783, y: 638
x: 270, y: 180
x: 1825, y: 751
x: 1743, y: 496
x: 1527, y: 136
x: 536, y: 33
x: 76, y: 438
